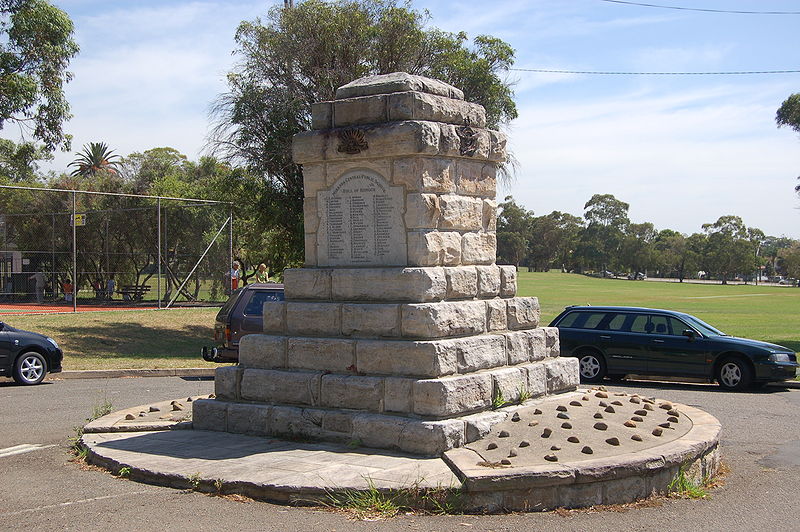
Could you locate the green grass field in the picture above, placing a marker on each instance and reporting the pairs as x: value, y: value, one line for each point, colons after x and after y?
x: 173, y: 338
x: 767, y: 313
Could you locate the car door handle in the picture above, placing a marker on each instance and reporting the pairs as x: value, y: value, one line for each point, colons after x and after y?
x: 605, y: 337
x: 658, y: 341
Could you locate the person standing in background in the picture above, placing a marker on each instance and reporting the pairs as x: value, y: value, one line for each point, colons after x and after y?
x: 262, y: 275
x: 236, y: 274
x: 40, y: 284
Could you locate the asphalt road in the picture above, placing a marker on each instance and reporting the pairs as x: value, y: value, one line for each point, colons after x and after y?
x: 42, y: 490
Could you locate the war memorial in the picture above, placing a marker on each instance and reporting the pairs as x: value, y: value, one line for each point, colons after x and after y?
x: 400, y: 333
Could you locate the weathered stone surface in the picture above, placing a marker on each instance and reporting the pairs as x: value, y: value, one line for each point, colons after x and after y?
x: 450, y: 396
x: 341, y: 422
x: 262, y: 351
x: 479, y: 425
x: 210, y: 414
x: 310, y: 257
x: 510, y: 383
x: 389, y: 284
x: 478, y: 352
x: 276, y: 386
x: 397, y: 395
x: 358, y: 111
x: 390, y: 357
x: 424, y: 174
x: 250, y: 419
x: 462, y: 282
x: 461, y: 213
x: 537, y: 378
x: 496, y: 315
x: 518, y: 347
x: 562, y: 374
x: 274, y: 317
x: 434, y: 248
x: 310, y: 215
x: 325, y: 354
x: 421, y: 106
x: 375, y: 430
x: 488, y: 281
x: 431, y: 438
x: 307, y: 283
x: 450, y: 142
x: 309, y: 147
x: 438, y: 320
x: 313, y: 179
x: 476, y: 178
x: 288, y: 421
x: 523, y: 312
x: 313, y: 319
x: 396, y: 82
x: 370, y: 320
x: 351, y: 391
x: 321, y: 115
x: 552, y: 341
x: 478, y: 248
x: 498, y: 140
x: 226, y: 382
x: 508, y: 281
x: 539, y: 349
x: 489, y: 215
x: 334, y: 170
x: 422, y: 211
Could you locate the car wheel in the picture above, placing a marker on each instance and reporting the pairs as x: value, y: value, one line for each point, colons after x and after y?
x: 734, y: 374
x: 30, y: 368
x: 592, y: 366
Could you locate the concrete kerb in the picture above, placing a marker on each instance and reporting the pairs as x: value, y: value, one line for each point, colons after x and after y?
x: 304, y: 473
x: 123, y: 373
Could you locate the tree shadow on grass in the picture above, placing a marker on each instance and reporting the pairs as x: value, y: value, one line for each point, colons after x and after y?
x: 132, y: 340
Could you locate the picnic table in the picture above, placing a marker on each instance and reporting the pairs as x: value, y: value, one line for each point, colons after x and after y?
x: 133, y: 292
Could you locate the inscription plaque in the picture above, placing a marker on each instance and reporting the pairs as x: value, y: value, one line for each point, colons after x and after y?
x: 361, y: 222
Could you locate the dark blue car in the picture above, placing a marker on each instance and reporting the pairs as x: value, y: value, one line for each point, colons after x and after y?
x: 617, y: 341
x: 27, y: 356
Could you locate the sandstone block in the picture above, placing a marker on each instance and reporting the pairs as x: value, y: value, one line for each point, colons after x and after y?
x: 450, y: 143
x: 478, y: 248
x: 276, y: 386
x: 432, y: 438
x: 424, y: 174
x: 370, y: 320
x: 497, y: 151
x: 321, y: 115
x: 537, y: 379
x: 373, y: 430
x: 310, y: 216
x: 310, y: 256
x: 397, y: 82
x: 421, y: 106
x: 309, y: 147
x: 539, y: 349
x: 510, y: 383
x: 288, y: 421
x: 489, y: 215
x: 389, y: 357
x: 476, y: 178
x: 438, y: 320
x: 325, y: 354
x: 451, y: 396
x: 313, y: 319
x: 518, y: 347
x: 562, y: 374
x: 479, y: 425
x: 210, y: 414
x: 249, y: 419
x: 488, y: 281
x: 341, y: 422
x: 307, y: 283
x: 389, y: 284
x: 508, y: 281
x: 397, y: 394
x: 552, y: 341
x: 226, y: 382
x: 262, y: 351
x: 358, y: 111
x: 478, y: 352
x: 274, y: 316
x: 496, y: 315
x: 313, y: 179
x: 523, y: 312
x: 346, y: 391
x: 434, y: 248
x: 462, y: 282
x: 422, y: 211
x: 461, y: 213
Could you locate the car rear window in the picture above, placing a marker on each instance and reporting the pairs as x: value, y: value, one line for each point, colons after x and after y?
x: 255, y: 307
x: 582, y: 320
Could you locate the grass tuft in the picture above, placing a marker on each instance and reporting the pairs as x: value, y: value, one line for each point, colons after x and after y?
x: 686, y: 487
x: 373, y: 503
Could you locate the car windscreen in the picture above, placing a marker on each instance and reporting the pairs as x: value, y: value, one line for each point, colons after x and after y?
x: 229, y: 304
x: 704, y: 328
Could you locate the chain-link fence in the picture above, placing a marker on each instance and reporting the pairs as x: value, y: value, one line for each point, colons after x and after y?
x: 63, y: 249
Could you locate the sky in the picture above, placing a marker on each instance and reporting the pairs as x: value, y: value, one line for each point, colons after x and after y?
x: 681, y: 150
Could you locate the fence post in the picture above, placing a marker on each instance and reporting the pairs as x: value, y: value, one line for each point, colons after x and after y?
x: 159, y: 252
x: 74, y: 259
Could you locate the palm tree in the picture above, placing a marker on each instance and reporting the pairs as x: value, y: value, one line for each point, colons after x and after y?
x: 95, y: 157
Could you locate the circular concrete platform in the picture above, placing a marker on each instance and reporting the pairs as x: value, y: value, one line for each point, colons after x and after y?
x: 574, y: 450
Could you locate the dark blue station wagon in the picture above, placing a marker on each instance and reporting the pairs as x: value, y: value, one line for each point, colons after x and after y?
x: 617, y: 341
